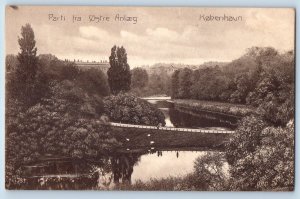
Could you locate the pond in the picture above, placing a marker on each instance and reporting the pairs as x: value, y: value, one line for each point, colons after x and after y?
x: 126, y: 168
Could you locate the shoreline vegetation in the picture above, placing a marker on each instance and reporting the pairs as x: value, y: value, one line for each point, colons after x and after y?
x: 237, y: 110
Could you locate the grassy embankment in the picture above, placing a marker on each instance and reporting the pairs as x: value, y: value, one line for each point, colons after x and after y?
x: 238, y: 110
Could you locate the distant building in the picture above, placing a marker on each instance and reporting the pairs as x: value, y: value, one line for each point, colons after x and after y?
x: 167, y: 69
x: 103, y: 65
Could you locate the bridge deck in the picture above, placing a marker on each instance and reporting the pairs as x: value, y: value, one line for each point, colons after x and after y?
x: 170, y: 128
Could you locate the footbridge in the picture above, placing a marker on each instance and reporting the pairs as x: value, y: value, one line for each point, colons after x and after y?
x: 173, y: 129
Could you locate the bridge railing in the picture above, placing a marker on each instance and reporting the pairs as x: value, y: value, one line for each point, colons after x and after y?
x: 171, y: 128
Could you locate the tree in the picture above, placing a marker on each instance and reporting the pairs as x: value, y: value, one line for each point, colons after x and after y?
x: 27, y: 57
x: 242, y: 83
x: 157, y: 84
x: 139, y: 78
x: 119, y: 76
x: 93, y: 81
x: 185, y: 83
x: 175, y: 84
x: 27, y: 68
x: 27, y: 83
x: 209, y: 84
x: 11, y: 62
x: 209, y: 174
x: 274, y: 159
x: 274, y: 90
x: 261, y: 157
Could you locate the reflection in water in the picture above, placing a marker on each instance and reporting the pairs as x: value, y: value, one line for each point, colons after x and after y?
x: 165, y: 165
x: 204, y: 120
x: 122, y: 167
x: 168, y: 121
x: 62, y: 173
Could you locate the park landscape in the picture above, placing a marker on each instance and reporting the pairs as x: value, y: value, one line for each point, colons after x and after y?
x: 214, y: 126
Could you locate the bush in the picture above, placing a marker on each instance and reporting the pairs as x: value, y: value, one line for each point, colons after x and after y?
x: 209, y: 172
x: 261, y: 157
x: 127, y: 108
x: 246, y: 138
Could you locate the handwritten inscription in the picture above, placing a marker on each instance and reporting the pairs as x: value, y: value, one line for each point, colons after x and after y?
x: 93, y: 18
x: 220, y: 18
x: 124, y: 18
x: 52, y: 17
x: 76, y: 18
x: 97, y: 19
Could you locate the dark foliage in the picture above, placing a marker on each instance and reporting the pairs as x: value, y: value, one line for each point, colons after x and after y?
x: 261, y: 157
x: 93, y: 81
x: 56, y: 69
x: 262, y: 78
x: 26, y: 81
x: 159, y: 84
x: 139, y: 78
x: 129, y: 109
x: 119, y: 76
x: 65, y: 124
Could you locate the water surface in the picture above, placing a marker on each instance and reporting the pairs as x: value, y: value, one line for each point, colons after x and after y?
x: 170, y: 163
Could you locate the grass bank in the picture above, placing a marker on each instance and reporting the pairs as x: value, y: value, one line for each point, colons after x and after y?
x: 237, y: 110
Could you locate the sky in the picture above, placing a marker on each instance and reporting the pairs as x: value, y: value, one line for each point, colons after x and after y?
x: 187, y: 35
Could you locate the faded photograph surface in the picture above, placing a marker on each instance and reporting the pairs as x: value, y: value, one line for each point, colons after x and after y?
x: 136, y: 98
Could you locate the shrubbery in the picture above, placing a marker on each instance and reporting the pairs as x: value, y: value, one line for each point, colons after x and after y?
x: 129, y: 109
x: 261, y: 157
x: 67, y: 123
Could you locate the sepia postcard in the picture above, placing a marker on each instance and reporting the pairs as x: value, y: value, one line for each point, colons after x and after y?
x: 149, y: 98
